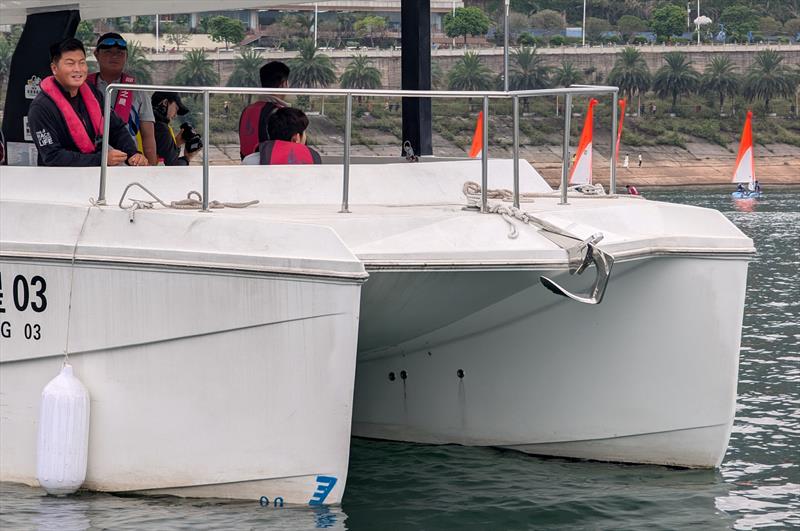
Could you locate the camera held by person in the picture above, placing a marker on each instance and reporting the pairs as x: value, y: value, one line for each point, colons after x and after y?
x: 191, y: 138
x: 166, y: 106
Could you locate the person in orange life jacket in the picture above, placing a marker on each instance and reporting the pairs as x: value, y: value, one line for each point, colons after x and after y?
x: 132, y: 106
x: 66, y: 117
x: 287, y: 129
x: 166, y: 106
x: 631, y: 189
x: 253, y: 124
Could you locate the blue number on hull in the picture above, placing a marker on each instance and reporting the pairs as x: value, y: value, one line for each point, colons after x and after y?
x: 324, y: 487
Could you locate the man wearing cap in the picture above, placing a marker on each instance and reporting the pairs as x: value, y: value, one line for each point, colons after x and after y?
x: 166, y: 106
x: 133, y: 107
x: 66, y: 117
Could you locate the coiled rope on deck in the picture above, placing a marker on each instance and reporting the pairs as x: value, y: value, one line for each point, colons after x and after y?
x: 194, y: 200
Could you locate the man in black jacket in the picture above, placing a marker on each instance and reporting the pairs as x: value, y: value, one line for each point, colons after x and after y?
x: 66, y: 116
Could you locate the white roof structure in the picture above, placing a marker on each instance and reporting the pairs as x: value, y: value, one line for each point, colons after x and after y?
x: 15, y: 11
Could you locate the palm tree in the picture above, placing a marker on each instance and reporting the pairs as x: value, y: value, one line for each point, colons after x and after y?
x: 311, y: 69
x: 720, y: 77
x: 360, y: 74
x: 767, y: 78
x: 675, y: 78
x: 528, y: 72
x: 437, y: 76
x: 137, y: 64
x: 196, y: 70
x: 564, y: 76
x: 246, y: 70
x: 631, y: 74
x: 469, y: 73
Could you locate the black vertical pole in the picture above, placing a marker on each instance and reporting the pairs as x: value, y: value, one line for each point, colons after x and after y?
x: 415, y: 30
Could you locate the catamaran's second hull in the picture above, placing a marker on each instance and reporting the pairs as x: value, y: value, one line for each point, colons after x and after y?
x: 491, y: 358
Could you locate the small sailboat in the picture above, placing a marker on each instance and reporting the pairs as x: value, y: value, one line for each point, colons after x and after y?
x: 744, y: 171
x: 581, y: 172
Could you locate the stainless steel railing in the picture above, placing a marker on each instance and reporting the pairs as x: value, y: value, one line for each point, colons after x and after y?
x: 350, y: 93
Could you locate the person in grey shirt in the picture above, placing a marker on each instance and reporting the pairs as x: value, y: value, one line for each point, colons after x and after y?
x: 133, y: 107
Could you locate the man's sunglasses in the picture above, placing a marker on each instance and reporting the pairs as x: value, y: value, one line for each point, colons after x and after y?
x: 109, y: 42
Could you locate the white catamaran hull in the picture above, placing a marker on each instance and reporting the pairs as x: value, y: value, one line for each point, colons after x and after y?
x: 242, y: 392
x: 216, y: 368
x: 482, y: 363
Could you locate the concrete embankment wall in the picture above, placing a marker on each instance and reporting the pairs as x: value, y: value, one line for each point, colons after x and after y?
x: 602, y: 59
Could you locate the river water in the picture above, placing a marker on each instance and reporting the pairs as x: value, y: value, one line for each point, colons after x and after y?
x: 409, y: 486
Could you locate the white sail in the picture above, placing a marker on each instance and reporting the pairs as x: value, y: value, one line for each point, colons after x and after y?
x: 744, y: 169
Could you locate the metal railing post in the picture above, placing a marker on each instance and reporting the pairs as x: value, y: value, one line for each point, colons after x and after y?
x: 565, y: 148
x: 612, y: 183
x: 515, y: 106
x: 485, y: 154
x: 348, y: 126
x: 101, y: 194
x: 206, y: 138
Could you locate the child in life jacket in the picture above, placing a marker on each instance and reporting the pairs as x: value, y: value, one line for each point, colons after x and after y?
x: 287, y: 131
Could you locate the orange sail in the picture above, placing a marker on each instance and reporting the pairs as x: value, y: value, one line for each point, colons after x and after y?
x: 582, y: 167
x: 477, y: 138
x: 745, y: 171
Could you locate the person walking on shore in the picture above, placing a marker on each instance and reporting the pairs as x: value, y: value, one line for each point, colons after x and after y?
x: 626, y: 161
x: 640, y: 160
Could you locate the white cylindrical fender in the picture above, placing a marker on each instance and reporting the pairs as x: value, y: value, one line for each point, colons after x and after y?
x: 63, y: 442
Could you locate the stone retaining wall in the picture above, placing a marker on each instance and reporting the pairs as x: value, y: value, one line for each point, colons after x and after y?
x: 602, y: 59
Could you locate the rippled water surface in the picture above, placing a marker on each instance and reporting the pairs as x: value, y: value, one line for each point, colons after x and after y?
x: 407, y: 486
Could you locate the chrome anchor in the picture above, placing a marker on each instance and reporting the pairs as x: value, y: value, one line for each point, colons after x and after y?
x: 578, y: 262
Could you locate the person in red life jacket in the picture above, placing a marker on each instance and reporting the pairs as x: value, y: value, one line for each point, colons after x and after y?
x: 66, y: 117
x: 132, y: 107
x: 253, y: 124
x: 631, y: 189
x: 287, y: 129
x: 166, y: 106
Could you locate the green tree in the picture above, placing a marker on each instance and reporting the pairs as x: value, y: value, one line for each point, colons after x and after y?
x: 309, y: 68
x: 548, y: 20
x: 738, y: 21
x: 769, y: 26
x: 567, y: 74
x: 361, y: 74
x: 177, y: 35
x: 528, y: 72
x: 466, y: 21
x: 370, y: 25
x: 196, y: 70
x: 469, y: 73
x: 137, y: 64
x: 792, y: 26
x: 246, y: 70
x: 6, y: 51
x: 225, y: 29
x: 630, y: 73
x: 85, y: 33
x: 720, y: 77
x: 595, y: 27
x: 437, y: 76
x: 675, y: 78
x: 628, y: 25
x: 767, y: 78
x: 668, y: 20
x: 143, y: 24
